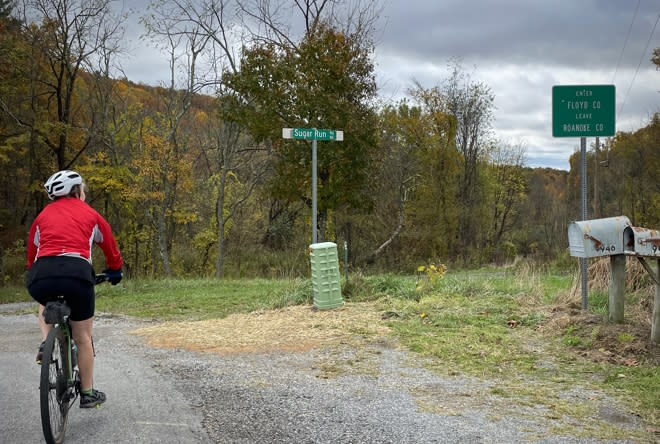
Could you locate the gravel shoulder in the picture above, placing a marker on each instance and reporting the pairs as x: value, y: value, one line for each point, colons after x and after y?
x: 142, y: 405
x: 371, y: 392
x: 380, y: 395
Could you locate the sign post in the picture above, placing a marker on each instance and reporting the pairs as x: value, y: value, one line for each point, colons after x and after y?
x: 583, y: 111
x: 313, y: 134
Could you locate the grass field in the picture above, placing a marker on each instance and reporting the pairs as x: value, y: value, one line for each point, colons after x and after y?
x: 521, y: 328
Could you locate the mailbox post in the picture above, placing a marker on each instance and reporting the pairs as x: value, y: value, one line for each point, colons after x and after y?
x: 617, y: 288
x: 655, y: 320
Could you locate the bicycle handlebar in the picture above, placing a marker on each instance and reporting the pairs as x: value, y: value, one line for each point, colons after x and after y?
x: 112, y: 276
x: 101, y: 277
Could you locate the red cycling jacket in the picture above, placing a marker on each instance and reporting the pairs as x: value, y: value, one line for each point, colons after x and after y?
x: 69, y: 227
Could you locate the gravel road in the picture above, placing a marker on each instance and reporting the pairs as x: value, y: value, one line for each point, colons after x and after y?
x: 376, y: 394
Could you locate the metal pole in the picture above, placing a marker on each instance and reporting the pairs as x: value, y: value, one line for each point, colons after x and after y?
x: 596, y: 214
x: 583, y: 181
x: 346, y: 260
x: 655, y: 320
x: 314, y: 191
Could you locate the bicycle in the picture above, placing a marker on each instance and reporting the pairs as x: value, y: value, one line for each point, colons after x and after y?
x: 60, y: 380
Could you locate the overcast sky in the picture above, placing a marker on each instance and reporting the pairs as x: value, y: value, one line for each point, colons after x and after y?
x: 519, y: 48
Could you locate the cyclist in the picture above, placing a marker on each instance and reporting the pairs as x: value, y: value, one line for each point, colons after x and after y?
x: 60, y: 263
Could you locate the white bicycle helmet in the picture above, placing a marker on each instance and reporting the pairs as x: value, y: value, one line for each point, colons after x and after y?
x: 60, y: 183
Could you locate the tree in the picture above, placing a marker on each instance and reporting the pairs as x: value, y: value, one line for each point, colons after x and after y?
x: 545, y: 225
x: 637, y: 177
x: 184, y: 42
x: 470, y: 104
x: 236, y: 165
x: 71, y: 34
x: 226, y: 147
x: 508, y: 189
x: 15, y: 161
x: 413, y: 181
x: 629, y: 184
x: 291, y: 28
x: 6, y: 8
x: 328, y: 82
x: 46, y: 102
x: 271, y: 21
x: 397, y: 168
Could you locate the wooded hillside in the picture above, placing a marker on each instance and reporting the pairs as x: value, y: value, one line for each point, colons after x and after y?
x: 195, y: 178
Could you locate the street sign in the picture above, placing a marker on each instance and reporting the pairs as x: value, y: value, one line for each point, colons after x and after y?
x: 312, y: 134
x: 583, y: 111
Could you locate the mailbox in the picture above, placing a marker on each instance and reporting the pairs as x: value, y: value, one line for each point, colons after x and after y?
x: 597, y: 237
x: 639, y: 241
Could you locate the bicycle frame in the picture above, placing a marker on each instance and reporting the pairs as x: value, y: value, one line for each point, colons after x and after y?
x: 71, y: 372
x: 61, y: 314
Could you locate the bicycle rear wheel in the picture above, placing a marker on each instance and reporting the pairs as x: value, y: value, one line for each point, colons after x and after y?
x: 54, y: 398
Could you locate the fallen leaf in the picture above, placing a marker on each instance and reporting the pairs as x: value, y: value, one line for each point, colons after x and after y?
x: 632, y: 362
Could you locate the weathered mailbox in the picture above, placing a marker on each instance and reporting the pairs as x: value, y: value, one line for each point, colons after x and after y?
x: 639, y: 241
x: 597, y: 237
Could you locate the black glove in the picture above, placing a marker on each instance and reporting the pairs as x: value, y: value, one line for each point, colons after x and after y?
x: 114, y: 276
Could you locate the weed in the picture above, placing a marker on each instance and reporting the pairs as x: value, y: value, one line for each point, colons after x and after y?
x: 625, y: 337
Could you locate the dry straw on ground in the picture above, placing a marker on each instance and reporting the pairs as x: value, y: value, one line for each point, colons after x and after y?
x: 297, y: 328
x: 637, y: 278
x: 598, y: 279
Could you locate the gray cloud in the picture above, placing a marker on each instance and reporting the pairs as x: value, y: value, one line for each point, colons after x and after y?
x: 519, y: 48
x: 560, y: 32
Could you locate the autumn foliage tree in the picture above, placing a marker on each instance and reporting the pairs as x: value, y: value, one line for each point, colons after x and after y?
x: 327, y: 82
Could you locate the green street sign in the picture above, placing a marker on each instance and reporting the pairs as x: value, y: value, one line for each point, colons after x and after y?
x: 312, y: 134
x: 583, y: 111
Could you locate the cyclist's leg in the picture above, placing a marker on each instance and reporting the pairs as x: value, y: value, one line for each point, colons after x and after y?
x: 82, y: 334
x: 45, y: 328
x: 42, y: 292
x: 81, y: 301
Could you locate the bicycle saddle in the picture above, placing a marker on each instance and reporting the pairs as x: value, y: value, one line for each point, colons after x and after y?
x: 56, y: 312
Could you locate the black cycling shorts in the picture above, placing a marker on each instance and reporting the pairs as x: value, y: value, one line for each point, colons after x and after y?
x: 79, y: 294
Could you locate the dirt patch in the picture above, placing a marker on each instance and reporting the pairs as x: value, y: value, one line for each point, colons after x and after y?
x: 292, y: 329
x: 596, y: 339
x: 599, y: 340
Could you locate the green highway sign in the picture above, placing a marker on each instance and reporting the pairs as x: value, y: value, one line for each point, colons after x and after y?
x: 312, y: 134
x: 583, y: 111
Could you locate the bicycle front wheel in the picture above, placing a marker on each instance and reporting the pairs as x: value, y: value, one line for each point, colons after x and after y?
x: 53, y: 387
